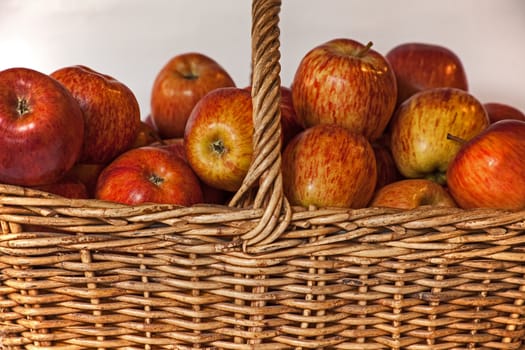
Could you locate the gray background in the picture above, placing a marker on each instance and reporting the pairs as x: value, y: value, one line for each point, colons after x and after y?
x: 132, y: 39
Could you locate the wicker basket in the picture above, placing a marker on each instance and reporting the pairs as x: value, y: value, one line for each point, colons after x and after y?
x: 257, y: 274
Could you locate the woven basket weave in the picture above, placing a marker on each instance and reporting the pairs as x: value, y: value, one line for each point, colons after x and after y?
x: 257, y: 274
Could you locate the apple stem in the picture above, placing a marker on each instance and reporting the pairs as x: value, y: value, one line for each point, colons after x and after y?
x: 455, y: 138
x: 438, y: 177
x: 22, y: 107
x: 365, y: 49
x: 190, y: 76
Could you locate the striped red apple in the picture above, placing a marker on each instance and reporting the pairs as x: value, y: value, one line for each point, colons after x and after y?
x: 347, y: 83
x: 489, y: 170
x: 329, y: 165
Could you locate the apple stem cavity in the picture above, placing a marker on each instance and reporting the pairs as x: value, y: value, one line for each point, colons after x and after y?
x: 190, y: 75
x: 22, y: 107
x: 218, y: 147
x: 365, y: 49
x: 456, y: 138
x: 155, y: 179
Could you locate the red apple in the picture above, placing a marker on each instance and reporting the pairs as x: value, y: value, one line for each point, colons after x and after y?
x: 149, y: 175
x: 175, y: 145
x: 329, y: 165
x: 87, y: 173
x: 420, y: 126
x: 412, y: 193
x: 347, y: 83
x: 489, y: 170
x: 41, y: 128
x: 148, y: 120
x: 68, y: 187
x: 499, y: 111
x: 290, y: 125
x: 111, y: 112
x: 387, y: 171
x: 210, y: 194
x: 179, y: 85
x: 218, y: 138
x: 146, y: 135
x: 421, y: 66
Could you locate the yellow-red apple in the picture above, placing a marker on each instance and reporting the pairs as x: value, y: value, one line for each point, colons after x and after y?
x: 219, y: 137
x: 420, y: 127
x: 412, y: 193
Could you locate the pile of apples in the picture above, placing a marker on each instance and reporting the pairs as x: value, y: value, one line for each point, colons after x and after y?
x: 358, y: 128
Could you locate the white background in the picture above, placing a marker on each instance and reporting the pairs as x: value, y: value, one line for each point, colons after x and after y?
x: 132, y: 39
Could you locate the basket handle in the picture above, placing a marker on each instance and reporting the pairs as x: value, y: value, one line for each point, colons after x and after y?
x: 264, y: 175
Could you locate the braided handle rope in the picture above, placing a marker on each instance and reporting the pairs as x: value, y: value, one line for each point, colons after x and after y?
x: 265, y: 170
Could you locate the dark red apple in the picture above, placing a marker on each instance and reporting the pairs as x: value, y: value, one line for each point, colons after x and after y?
x: 498, y: 111
x: 149, y: 175
x: 290, y: 126
x: 146, y: 135
x: 387, y: 171
x: 68, y: 187
x: 148, y: 120
x: 420, y: 66
x: 179, y: 85
x: 111, y: 112
x: 41, y: 128
x: 329, y: 165
x: 87, y: 173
